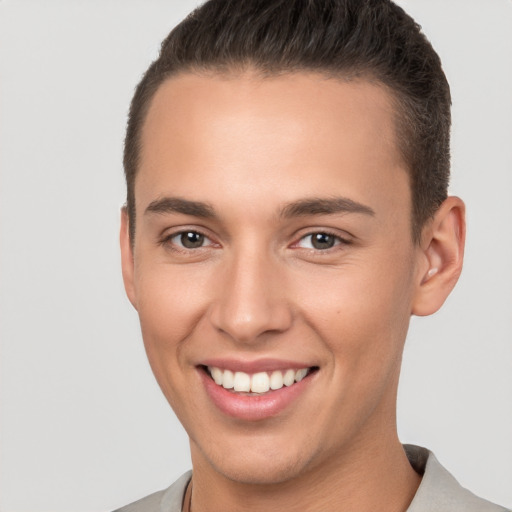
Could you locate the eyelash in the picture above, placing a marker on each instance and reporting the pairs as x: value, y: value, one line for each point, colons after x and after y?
x: 167, y: 241
x: 338, y: 241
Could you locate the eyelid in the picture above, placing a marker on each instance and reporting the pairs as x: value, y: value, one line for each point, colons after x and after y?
x: 166, y: 238
x: 178, y: 235
x: 340, y: 239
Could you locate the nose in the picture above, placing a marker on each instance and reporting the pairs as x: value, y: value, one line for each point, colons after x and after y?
x: 251, y: 299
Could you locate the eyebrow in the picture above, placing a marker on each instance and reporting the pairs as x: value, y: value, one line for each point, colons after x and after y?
x: 183, y: 206
x: 321, y: 206
x: 300, y: 208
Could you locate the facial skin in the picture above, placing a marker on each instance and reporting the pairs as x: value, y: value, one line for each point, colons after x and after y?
x: 247, y: 148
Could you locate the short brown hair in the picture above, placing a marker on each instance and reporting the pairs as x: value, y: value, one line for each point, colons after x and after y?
x: 372, y: 39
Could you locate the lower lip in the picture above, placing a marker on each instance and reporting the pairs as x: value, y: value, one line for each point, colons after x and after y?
x: 253, y: 407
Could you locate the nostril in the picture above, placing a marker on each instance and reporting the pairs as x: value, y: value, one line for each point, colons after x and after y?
x: 249, y: 329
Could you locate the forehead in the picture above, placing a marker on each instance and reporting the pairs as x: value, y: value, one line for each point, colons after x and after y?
x: 246, y: 133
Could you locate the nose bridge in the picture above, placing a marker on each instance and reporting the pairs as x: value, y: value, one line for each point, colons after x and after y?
x: 251, y: 299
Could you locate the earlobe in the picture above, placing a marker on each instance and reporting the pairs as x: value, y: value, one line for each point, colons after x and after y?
x: 442, y: 254
x: 127, y: 260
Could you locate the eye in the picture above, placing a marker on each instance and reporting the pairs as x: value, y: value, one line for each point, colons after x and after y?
x: 319, y: 241
x: 189, y: 240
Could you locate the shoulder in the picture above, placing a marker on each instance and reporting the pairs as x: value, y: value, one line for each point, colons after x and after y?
x: 439, y: 491
x: 168, y: 500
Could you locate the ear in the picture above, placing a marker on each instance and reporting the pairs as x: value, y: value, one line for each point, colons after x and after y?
x: 442, y: 253
x: 127, y: 260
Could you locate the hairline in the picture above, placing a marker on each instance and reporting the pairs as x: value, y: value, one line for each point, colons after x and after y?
x: 261, y: 71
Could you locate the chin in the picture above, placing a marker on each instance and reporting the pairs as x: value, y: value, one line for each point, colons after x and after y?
x: 273, y: 472
x: 258, y: 465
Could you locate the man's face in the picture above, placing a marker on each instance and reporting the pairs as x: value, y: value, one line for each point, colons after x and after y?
x: 273, y: 235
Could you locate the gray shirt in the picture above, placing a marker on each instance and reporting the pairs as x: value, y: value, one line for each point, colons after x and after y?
x: 438, y: 491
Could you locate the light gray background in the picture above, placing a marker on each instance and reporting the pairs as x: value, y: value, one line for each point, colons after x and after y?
x: 83, y: 425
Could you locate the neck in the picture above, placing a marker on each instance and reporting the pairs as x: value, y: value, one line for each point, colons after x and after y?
x: 378, y: 477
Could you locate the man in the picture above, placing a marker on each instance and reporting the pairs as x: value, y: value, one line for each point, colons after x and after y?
x: 287, y: 165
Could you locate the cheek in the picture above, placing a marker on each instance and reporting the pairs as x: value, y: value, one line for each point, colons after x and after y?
x: 169, y: 305
x: 362, y: 311
x: 168, y: 302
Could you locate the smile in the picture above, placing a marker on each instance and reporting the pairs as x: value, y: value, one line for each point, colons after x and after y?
x: 264, y: 390
x: 257, y: 383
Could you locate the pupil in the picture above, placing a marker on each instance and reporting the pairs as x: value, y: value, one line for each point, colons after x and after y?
x: 322, y: 241
x: 192, y: 240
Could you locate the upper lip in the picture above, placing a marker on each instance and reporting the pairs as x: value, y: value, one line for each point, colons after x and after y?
x: 254, y: 366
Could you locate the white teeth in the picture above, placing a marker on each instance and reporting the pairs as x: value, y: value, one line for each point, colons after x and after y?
x: 217, y: 375
x: 276, y: 380
x: 242, y: 382
x: 300, y: 374
x: 228, y: 379
x: 260, y: 382
x: 289, y: 378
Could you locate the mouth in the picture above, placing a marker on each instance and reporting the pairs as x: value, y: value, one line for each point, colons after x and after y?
x: 263, y: 391
x: 257, y: 384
